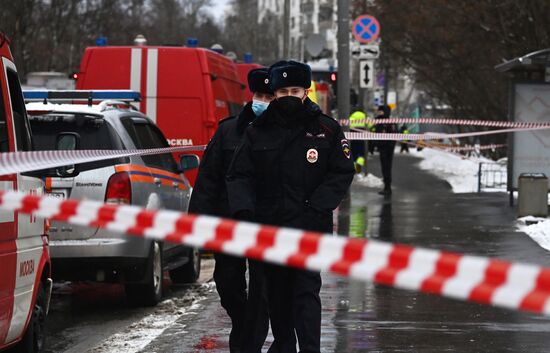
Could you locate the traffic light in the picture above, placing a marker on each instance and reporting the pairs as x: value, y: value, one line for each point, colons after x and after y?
x: 333, y: 77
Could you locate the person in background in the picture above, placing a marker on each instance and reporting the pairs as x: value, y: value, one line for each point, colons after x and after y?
x: 248, y: 311
x: 357, y: 121
x: 386, y: 148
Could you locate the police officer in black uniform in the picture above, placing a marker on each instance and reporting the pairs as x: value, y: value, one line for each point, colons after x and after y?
x: 248, y: 313
x: 292, y: 169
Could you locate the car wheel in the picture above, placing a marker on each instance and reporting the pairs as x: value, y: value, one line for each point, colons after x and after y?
x: 150, y: 292
x: 34, y: 339
x: 190, y: 272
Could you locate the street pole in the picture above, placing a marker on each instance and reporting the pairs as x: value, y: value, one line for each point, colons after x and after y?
x: 286, y: 29
x: 343, y: 59
x: 386, y: 79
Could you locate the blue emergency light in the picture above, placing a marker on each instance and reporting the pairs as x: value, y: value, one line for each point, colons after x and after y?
x: 72, y: 95
x: 101, y: 41
x: 192, y: 42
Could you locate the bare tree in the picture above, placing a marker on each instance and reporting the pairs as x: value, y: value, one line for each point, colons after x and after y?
x: 453, y: 46
x: 52, y: 34
x: 261, y: 38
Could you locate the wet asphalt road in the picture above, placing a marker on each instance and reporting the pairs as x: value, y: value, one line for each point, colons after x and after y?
x: 359, y: 317
x: 83, y: 316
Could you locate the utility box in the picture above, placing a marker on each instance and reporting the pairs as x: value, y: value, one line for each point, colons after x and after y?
x: 532, y: 195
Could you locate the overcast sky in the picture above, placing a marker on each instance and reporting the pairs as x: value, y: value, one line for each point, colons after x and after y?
x: 218, y: 8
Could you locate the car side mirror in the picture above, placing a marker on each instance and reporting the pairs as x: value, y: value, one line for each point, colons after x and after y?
x: 189, y: 162
x: 67, y: 141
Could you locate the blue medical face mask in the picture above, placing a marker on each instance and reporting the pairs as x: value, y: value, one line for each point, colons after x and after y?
x: 258, y: 107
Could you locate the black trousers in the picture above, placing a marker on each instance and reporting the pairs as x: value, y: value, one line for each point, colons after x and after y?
x: 295, y: 309
x: 386, y: 149
x: 248, y: 311
x: 357, y: 149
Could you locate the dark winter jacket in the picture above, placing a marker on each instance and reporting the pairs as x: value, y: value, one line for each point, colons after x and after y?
x: 209, y: 194
x: 385, y: 128
x: 291, y: 171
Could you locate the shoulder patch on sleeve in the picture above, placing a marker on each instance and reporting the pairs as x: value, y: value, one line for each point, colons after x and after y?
x: 345, y: 148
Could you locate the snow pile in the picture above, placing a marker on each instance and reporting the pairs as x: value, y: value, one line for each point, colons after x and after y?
x: 369, y: 180
x: 459, y: 171
x: 537, y: 228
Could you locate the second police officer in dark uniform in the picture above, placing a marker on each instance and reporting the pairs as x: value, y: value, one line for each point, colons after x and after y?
x: 248, y: 313
x: 292, y: 169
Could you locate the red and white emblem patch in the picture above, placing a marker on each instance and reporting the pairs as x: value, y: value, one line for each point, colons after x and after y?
x: 312, y: 155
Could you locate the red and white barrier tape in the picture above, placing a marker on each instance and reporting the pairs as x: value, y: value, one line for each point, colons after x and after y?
x: 472, y: 278
x: 447, y: 121
x: 354, y: 135
x: 20, y: 162
x: 450, y: 148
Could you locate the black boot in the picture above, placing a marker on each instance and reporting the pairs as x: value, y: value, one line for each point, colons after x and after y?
x: 386, y: 191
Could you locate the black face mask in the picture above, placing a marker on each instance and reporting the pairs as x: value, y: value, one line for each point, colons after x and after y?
x: 290, y: 105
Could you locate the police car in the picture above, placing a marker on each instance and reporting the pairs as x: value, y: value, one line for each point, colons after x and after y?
x: 25, y: 283
x: 153, y: 182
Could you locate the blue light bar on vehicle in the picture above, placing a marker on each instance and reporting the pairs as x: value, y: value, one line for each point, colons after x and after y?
x: 71, y: 95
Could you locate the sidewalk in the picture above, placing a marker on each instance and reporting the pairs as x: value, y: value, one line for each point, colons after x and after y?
x: 359, y: 317
x: 423, y: 211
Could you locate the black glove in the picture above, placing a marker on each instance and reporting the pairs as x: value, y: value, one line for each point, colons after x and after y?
x: 313, y: 219
x: 244, y: 215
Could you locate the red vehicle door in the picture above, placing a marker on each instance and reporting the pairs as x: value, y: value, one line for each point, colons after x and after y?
x: 24, y: 255
x: 8, y: 233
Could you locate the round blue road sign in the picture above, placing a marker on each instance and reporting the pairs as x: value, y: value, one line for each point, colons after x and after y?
x: 365, y: 29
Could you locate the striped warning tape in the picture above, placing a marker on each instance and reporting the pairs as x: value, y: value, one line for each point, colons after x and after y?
x: 20, y: 162
x: 448, y: 121
x: 355, y: 135
x: 451, y: 148
x: 471, y: 278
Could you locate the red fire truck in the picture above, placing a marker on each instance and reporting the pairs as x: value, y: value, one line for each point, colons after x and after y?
x: 25, y: 282
x: 185, y: 90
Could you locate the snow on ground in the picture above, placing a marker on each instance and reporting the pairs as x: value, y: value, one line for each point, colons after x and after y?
x: 141, y: 333
x: 537, y: 228
x: 369, y: 180
x: 459, y: 171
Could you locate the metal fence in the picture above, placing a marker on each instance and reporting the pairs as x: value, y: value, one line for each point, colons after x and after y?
x: 491, y: 176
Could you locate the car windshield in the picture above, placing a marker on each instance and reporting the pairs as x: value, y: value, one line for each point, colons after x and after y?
x: 94, y: 134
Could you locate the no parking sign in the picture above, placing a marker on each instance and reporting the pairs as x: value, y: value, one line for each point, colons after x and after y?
x: 365, y: 29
